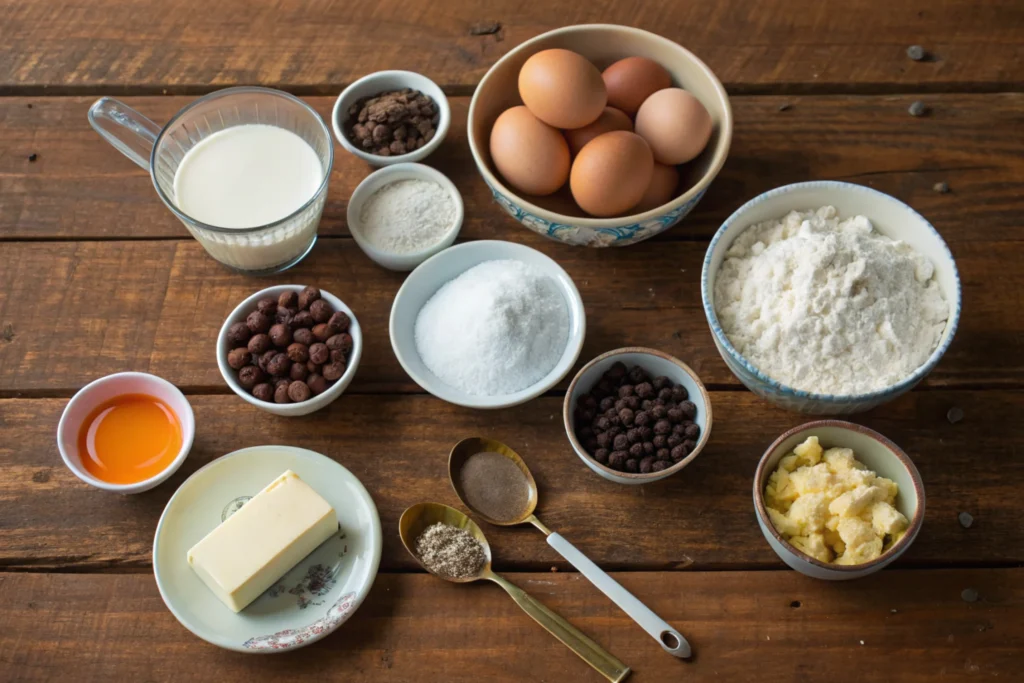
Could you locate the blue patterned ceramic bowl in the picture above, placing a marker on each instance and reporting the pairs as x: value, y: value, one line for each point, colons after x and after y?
x: 557, y: 216
x: 891, y: 217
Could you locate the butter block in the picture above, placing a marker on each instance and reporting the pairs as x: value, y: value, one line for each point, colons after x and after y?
x: 257, y: 545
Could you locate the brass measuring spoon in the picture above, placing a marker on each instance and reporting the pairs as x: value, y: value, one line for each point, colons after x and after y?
x: 417, y: 518
x: 671, y: 640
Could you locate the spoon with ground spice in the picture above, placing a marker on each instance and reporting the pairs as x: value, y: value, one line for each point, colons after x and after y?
x: 449, y: 545
x: 493, y: 481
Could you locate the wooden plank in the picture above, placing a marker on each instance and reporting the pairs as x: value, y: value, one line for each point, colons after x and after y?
x: 320, y: 45
x: 80, y: 310
x: 80, y: 187
x: 398, y: 446
x: 897, y: 625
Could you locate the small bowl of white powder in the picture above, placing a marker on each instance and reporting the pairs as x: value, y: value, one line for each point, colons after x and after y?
x: 488, y: 324
x: 830, y: 298
x: 403, y: 214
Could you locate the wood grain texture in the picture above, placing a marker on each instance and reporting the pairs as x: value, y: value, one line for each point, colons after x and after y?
x: 80, y: 310
x: 321, y: 44
x: 897, y: 625
x: 398, y: 447
x: 80, y: 187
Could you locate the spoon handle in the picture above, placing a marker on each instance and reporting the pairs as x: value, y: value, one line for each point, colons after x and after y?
x: 592, y: 653
x: 671, y: 640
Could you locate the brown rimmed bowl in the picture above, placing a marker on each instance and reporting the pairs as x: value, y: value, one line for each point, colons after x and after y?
x: 656, y: 363
x: 880, y: 455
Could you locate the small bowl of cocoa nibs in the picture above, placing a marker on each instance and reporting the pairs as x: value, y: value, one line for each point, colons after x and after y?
x: 391, y: 117
x: 290, y: 349
x: 637, y: 415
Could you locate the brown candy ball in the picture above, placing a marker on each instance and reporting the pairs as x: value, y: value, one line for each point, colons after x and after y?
x: 340, y: 321
x: 319, y: 353
x: 308, y: 296
x: 239, y: 358
x: 334, y: 371
x: 314, y: 368
x: 320, y: 310
x: 284, y: 315
x: 303, y: 319
x: 303, y: 336
x: 260, y: 343
x: 281, y: 334
x: 662, y: 427
x: 316, y: 383
x: 257, y: 322
x: 678, y: 453
x: 691, y: 431
x: 238, y: 334
x: 689, y: 409
x: 617, y: 460
x: 250, y: 376
x: 281, y: 394
x: 646, y: 464
x: 343, y: 342
x: 279, y: 365
x: 263, y: 392
x: 264, y: 359
x: 339, y: 357
x: 621, y: 442
x: 289, y: 299
x: 663, y: 454
x: 636, y: 450
x: 298, y: 352
x: 322, y: 332
x: 660, y: 383
x: 601, y: 455
x: 267, y: 307
x: 679, y: 393
x: 625, y: 390
x: 298, y: 391
x: 660, y: 465
x: 298, y: 371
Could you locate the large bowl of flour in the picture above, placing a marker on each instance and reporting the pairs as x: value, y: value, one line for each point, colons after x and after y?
x: 830, y: 298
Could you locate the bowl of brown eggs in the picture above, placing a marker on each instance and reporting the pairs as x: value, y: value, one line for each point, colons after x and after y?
x: 599, y: 135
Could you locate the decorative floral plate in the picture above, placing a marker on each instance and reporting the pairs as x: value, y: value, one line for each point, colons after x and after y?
x: 310, y: 601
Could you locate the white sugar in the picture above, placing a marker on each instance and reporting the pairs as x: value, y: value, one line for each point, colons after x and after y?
x: 496, y: 329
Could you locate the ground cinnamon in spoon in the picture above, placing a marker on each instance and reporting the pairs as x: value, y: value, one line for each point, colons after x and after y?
x: 495, y: 486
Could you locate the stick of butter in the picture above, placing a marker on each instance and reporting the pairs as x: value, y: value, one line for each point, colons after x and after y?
x: 268, y: 536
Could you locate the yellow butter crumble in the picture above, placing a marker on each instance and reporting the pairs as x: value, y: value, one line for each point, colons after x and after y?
x: 831, y: 507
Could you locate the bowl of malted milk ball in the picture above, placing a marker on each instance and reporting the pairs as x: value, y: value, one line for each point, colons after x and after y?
x: 830, y: 298
x: 487, y: 324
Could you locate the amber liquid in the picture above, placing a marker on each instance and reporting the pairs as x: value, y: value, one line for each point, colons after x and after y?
x: 129, y: 439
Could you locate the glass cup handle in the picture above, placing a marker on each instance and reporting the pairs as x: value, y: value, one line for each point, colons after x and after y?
x: 126, y: 129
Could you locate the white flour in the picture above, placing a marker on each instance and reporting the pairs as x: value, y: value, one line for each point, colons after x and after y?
x: 827, y: 305
x: 407, y: 216
x: 496, y: 329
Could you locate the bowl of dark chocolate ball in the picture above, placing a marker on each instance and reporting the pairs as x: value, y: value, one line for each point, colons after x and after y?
x: 290, y: 350
x: 637, y: 415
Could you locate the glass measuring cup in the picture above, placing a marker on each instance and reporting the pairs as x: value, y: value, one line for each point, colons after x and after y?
x: 259, y: 250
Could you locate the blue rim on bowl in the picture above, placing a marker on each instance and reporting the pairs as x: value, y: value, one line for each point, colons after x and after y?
x: 874, y: 397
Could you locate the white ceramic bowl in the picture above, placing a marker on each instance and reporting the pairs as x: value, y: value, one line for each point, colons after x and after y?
x: 384, y: 81
x: 423, y: 282
x: 890, y: 217
x: 390, y: 174
x: 104, y: 389
x: 657, y: 364
x: 288, y: 409
x: 879, y: 455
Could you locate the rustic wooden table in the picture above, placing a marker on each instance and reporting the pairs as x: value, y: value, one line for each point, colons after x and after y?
x: 96, y: 276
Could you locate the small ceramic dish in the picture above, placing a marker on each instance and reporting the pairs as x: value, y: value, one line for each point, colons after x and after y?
x: 385, y: 176
x: 313, y: 599
x: 657, y: 364
x: 101, y: 390
x: 288, y: 409
x: 880, y: 455
x: 423, y: 282
x: 892, y: 218
x: 385, y: 81
x: 557, y: 216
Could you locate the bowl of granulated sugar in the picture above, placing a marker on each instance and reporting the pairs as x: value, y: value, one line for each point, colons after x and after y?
x: 487, y: 324
x: 401, y: 215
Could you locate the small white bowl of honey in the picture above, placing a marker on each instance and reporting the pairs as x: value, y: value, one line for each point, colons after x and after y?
x: 126, y: 432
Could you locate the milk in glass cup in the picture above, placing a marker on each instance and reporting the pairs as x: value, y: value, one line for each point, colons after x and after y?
x: 245, y: 169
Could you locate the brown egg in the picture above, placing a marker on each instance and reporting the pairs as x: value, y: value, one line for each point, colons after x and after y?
x: 675, y: 124
x: 661, y: 189
x: 611, y: 173
x: 562, y: 88
x: 609, y: 120
x: 530, y: 155
x: 632, y: 80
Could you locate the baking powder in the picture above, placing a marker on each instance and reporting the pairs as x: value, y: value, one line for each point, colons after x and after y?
x: 407, y: 216
x: 829, y: 306
x: 496, y: 329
